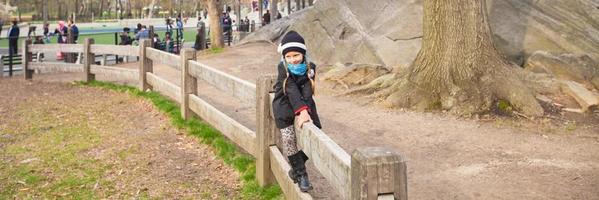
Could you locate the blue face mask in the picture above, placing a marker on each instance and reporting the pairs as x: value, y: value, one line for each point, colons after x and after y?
x: 297, y: 69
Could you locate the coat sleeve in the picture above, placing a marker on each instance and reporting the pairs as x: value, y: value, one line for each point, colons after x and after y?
x: 292, y: 91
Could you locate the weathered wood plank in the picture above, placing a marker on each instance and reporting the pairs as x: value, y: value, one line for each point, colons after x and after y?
x: 386, y: 197
x: 265, y: 134
x: 328, y: 157
x: 168, y: 59
x: 45, y: 67
x: 116, y: 72
x: 88, y: 60
x: 585, y: 98
x: 376, y: 171
x: 189, y: 84
x: 164, y: 87
x: 145, y: 64
x: 231, y: 85
x: 26, y: 59
x: 66, y: 48
x: 122, y: 50
x: 236, y: 132
x: 280, y: 169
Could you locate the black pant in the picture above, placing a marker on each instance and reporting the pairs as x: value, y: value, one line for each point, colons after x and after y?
x: 13, y: 45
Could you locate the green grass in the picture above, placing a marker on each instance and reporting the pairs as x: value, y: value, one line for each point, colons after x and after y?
x: 227, y: 151
x: 570, y: 126
x: 106, y: 38
x: 505, y: 107
x: 215, y: 50
x: 56, y: 167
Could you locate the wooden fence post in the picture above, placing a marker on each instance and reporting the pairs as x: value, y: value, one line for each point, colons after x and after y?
x: 70, y: 57
x: 189, y: 84
x: 151, y: 35
x: 26, y: 59
x: 378, y: 172
x: 202, y: 36
x: 265, y: 133
x: 1, y: 66
x: 145, y: 64
x: 89, y: 58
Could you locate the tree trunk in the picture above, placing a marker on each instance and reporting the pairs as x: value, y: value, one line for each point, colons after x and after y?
x: 288, y: 7
x: 238, y: 11
x: 101, y: 8
x: 129, y: 13
x: 310, y: 2
x: 170, y: 10
x: 60, y: 13
x: 274, y: 10
x: 458, y: 67
x: 45, y: 12
x: 151, y: 11
x: 303, y: 4
x: 216, y: 30
x: 260, y: 10
x: 297, y: 5
x: 75, y: 8
x: 120, y: 4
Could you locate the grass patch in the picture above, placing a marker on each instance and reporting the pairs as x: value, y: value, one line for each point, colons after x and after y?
x: 107, y: 38
x: 48, y: 163
x: 570, y: 126
x: 216, y: 50
x: 504, y: 106
x: 225, y: 150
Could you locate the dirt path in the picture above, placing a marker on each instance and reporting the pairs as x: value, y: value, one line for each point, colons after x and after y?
x: 59, y: 140
x: 448, y: 157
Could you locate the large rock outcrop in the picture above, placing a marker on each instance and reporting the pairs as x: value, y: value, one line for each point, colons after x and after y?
x: 388, y: 32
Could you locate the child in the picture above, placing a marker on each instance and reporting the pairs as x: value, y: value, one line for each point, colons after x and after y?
x: 61, y: 31
x: 293, y: 101
x: 169, y: 45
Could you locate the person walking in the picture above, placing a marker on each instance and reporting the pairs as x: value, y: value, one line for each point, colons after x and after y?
x: 13, y: 38
x: 142, y: 34
x: 74, y: 29
x: 61, y: 31
x: 46, y: 36
x: 293, y: 102
x: 266, y: 18
x: 179, y: 24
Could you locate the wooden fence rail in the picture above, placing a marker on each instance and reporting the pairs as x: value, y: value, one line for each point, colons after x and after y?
x: 368, y: 173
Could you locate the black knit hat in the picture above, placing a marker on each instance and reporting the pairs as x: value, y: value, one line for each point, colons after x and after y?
x: 292, y: 41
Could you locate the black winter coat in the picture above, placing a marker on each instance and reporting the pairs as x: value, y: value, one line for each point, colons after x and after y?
x: 297, y: 96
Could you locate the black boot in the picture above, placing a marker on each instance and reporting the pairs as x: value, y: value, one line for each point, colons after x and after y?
x: 299, y: 173
x: 292, y: 175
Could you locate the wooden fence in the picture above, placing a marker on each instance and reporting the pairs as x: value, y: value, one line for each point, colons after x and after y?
x: 368, y: 173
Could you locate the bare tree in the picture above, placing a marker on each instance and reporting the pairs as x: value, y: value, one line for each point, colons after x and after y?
x: 120, y: 4
x: 458, y: 67
x: 129, y: 13
x: 260, y: 10
x: 151, y: 10
x: 101, y: 13
x: 274, y: 10
x: 45, y: 12
x: 238, y: 10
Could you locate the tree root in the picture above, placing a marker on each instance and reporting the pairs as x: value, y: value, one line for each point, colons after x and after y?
x: 381, y: 82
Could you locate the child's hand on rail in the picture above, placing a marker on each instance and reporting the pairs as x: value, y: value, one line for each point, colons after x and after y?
x: 303, y: 118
